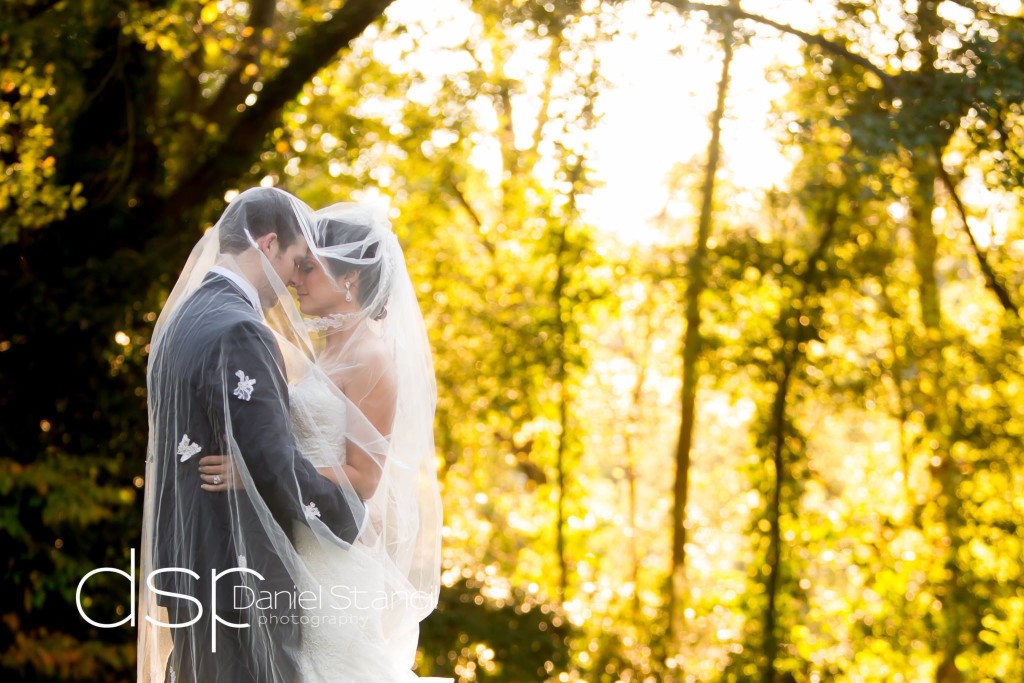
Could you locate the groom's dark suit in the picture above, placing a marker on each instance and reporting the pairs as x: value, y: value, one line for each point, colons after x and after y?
x: 195, y: 392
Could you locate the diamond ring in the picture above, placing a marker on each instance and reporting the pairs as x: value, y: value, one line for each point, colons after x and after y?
x: 216, y: 479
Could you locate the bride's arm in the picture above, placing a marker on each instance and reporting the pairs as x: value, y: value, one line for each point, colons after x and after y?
x: 370, y: 385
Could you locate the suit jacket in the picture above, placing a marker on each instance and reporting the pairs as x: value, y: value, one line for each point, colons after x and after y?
x: 217, y: 385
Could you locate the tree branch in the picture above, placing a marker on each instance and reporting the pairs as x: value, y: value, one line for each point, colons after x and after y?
x: 554, y: 65
x: 229, y: 159
x: 986, y: 13
x: 888, y: 81
x: 26, y: 14
x: 457, y: 191
x: 464, y: 203
x: 986, y: 269
x: 238, y: 84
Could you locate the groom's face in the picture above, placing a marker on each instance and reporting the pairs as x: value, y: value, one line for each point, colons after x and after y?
x: 285, y: 261
x: 291, y: 261
x: 288, y: 260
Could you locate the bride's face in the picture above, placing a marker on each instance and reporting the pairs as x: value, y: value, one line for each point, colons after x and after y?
x: 320, y: 293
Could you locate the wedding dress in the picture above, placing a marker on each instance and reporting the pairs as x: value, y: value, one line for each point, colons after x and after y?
x: 352, y: 625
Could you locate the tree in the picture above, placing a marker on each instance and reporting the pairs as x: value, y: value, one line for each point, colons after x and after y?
x: 120, y: 122
x: 696, y: 283
x: 911, y: 109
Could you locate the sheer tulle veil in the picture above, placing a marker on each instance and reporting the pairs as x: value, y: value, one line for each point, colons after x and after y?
x: 233, y: 364
x: 384, y: 342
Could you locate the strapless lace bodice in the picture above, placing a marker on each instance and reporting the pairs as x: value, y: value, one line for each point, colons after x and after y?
x: 318, y: 413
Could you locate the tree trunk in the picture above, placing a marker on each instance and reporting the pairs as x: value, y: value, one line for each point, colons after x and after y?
x: 561, y: 378
x: 643, y: 359
x: 774, y: 512
x: 691, y: 353
x: 935, y: 399
x: 795, y: 328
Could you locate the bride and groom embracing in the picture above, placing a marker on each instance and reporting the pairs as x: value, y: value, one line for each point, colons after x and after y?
x: 292, y: 521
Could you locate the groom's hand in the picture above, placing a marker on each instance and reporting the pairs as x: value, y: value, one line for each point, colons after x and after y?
x: 219, y: 473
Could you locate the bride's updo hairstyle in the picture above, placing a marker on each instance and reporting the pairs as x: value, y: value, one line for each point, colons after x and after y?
x: 346, y: 247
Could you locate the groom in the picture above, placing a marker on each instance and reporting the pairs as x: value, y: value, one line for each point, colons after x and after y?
x: 216, y: 385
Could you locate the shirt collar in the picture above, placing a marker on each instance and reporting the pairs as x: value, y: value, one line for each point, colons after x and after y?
x: 243, y: 284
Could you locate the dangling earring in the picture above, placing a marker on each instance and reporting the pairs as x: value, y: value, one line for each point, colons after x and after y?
x: 348, y: 291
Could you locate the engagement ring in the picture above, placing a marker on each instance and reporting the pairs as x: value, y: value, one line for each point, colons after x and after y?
x: 216, y: 479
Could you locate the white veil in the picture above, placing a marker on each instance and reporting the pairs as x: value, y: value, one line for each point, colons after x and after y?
x: 406, y: 507
x: 291, y: 410
x: 378, y: 355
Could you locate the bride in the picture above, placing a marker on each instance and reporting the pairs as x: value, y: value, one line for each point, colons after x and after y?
x: 360, y: 395
x: 363, y: 417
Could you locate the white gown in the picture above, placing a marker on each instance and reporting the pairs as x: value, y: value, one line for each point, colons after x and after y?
x: 353, y: 630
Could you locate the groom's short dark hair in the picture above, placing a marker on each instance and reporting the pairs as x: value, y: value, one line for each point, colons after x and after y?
x: 260, y: 210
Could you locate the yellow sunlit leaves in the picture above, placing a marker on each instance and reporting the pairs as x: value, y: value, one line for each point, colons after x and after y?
x: 28, y: 165
x: 210, y: 12
x: 557, y: 348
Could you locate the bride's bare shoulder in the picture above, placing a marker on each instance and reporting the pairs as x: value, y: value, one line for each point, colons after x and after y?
x: 362, y: 361
x: 371, y: 351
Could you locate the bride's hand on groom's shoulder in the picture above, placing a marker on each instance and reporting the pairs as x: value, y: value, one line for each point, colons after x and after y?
x: 218, y: 473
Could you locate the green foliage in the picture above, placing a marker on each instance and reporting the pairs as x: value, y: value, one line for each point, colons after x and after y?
x: 486, y: 638
x: 855, y: 509
x: 29, y: 196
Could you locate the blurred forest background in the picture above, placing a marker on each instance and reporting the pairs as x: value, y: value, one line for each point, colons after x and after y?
x: 745, y: 432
